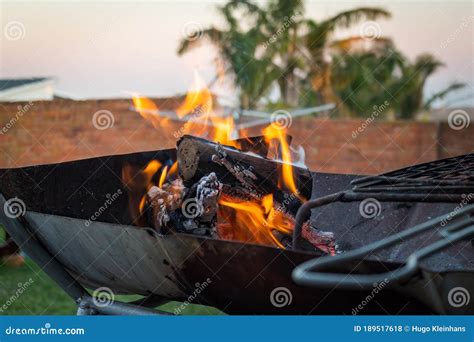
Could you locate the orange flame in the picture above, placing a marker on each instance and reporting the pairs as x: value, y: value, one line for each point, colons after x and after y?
x: 198, y: 98
x: 149, y: 171
x: 149, y: 111
x: 173, y: 169
x: 151, y: 168
x: 276, y: 136
x: 224, y: 130
x: 199, y: 101
x: 249, y: 221
x: 140, y: 180
x: 255, y: 221
x: 163, y: 175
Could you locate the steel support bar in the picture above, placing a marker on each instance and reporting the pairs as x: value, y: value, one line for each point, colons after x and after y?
x: 88, y: 306
x: 24, y: 237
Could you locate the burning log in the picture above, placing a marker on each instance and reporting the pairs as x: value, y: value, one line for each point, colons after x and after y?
x: 324, y: 241
x: 312, y: 238
x: 256, y: 145
x: 246, y: 176
x: 192, y: 211
x: 163, y: 201
x: 242, y: 174
x: 195, y: 211
x: 227, y: 193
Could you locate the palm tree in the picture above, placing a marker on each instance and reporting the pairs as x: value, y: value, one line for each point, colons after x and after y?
x: 439, y: 95
x: 360, y: 80
x: 302, y: 45
x: 264, y: 46
x: 409, y: 90
x: 278, y: 44
x: 237, y: 49
x: 282, y: 29
x: 318, y: 43
x: 368, y: 79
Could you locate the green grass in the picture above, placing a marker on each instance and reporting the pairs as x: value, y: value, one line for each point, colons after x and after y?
x: 41, y: 295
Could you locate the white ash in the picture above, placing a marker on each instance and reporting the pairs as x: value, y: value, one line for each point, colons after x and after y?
x: 245, y: 176
x: 207, y: 194
x: 165, y: 200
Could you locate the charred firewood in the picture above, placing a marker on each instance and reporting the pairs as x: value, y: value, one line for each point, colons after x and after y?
x: 324, y: 241
x: 191, y: 211
x: 314, y: 240
x: 163, y: 201
x: 208, y: 170
x: 256, y: 145
x: 242, y: 174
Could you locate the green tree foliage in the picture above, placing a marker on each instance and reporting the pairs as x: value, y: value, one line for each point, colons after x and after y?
x: 272, y: 44
x: 368, y: 79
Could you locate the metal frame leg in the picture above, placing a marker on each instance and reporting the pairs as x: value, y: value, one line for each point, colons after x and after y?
x: 89, y: 306
x: 24, y: 237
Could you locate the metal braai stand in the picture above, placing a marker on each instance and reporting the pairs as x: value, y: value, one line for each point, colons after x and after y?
x: 82, y: 255
x: 450, y: 180
x: 25, y: 237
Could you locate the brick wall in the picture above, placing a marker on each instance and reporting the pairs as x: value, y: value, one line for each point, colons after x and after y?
x: 335, y: 146
x: 48, y: 132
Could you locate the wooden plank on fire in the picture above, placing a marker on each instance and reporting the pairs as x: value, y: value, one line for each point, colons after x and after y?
x: 235, y: 169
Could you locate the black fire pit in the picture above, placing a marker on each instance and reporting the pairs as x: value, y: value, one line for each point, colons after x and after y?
x: 73, y: 220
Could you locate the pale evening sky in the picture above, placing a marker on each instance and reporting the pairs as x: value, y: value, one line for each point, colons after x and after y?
x: 99, y: 49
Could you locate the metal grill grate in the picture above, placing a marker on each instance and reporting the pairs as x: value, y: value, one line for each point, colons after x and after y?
x: 446, y: 176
